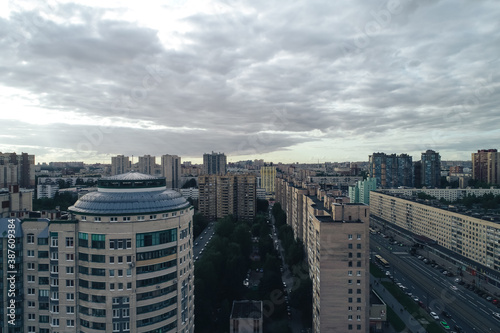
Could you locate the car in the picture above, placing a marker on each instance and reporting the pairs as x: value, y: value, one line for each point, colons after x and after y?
x: 489, y: 298
x: 496, y: 315
x: 420, y: 257
x: 434, y: 315
x: 196, y: 243
x: 461, y: 282
x: 445, y: 325
x: 387, y: 273
x: 201, y: 237
x: 415, y: 298
x: 494, y: 301
x: 446, y: 314
x: 445, y: 272
x: 454, y: 288
x: 457, y: 328
x: 409, y: 293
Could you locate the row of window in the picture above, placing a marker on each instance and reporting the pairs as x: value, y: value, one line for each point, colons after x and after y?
x: 53, y: 309
x: 128, y: 218
x: 54, y: 295
x: 54, y: 323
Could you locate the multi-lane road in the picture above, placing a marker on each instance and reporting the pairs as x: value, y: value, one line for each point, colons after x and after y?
x: 202, y: 240
x: 437, y: 291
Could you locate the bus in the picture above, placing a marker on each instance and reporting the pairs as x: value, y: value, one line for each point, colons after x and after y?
x: 384, y: 263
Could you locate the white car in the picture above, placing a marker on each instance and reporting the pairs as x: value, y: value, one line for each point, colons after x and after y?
x: 434, y: 315
x: 454, y: 288
x: 415, y: 298
x: 497, y: 315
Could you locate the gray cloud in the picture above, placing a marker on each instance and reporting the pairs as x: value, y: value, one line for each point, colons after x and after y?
x: 256, y: 76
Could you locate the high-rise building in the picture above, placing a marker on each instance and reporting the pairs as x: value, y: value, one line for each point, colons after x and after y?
x: 222, y: 195
x: 123, y: 262
x: 391, y: 170
x: 147, y: 165
x: 268, y: 175
x: 486, y: 166
x: 360, y: 193
x: 120, y: 164
x: 171, y: 170
x: 17, y: 170
x: 214, y: 164
x: 430, y: 169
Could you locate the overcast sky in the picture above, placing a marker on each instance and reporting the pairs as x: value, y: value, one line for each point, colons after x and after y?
x: 290, y: 81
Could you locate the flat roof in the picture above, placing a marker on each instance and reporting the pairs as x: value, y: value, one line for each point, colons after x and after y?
x: 247, y: 309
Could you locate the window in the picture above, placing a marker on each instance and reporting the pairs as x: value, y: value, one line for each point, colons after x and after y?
x: 55, y: 321
x: 84, y: 218
x: 31, y: 316
x: 120, y: 286
x: 83, y: 239
x: 129, y: 285
x: 126, y: 326
x: 111, y: 260
x: 111, y: 286
x: 31, y: 304
x: 69, y: 242
x: 31, y: 291
x: 349, y: 308
x: 113, y: 219
x: 358, y: 300
x: 349, y: 327
x: 349, y: 236
x: 70, y: 256
x: 349, y: 281
x: 31, y: 266
x: 358, y: 273
x: 349, y: 317
x: 43, y: 293
x: 54, y: 295
x: 120, y: 260
x: 350, y: 254
x: 349, y: 273
x: 54, y: 282
x: 43, y: 241
x: 70, y: 283
x: 358, y: 318
x: 358, y: 291
x: 349, y: 291
x: 358, y: 282
x: 30, y: 238
x: 120, y: 272
x: 31, y: 278
x: 358, y: 264
x: 70, y: 270
x: 358, y: 236
x: 116, y: 300
x: 43, y: 319
x: 358, y: 255
x: 126, y: 313
x: 116, y: 327
x: 43, y: 267
x: 126, y: 300
x: 54, y: 308
x: 70, y: 322
x: 129, y: 243
x: 358, y: 308
x: 126, y: 218
x: 54, y: 241
x: 350, y: 264
x: 97, y: 219
x: 111, y: 273
x: 140, y: 218
x: 116, y: 313
x: 98, y: 241
x: 70, y: 309
x: 129, y: 272
x: 349, y: 245
x: 31, y: 329
x: 358, y: 327
x: 31, y: 253
x: 129, y: 259
x: 349, y: 299
x: 358, y: 246
x: 152, y: 217
x: 54, y: 269
x: 70, y: 296
x: 54, y: 256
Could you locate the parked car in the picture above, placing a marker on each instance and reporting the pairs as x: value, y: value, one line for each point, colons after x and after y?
x: 434, y: 315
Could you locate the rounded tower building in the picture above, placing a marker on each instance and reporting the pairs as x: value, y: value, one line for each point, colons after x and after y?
x: 134, y: 257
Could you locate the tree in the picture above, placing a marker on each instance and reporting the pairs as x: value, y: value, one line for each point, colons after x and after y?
x: 262, y: 205
x: 190, y: 183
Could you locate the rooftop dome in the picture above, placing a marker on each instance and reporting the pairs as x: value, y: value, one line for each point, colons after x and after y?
x: 129, y: 194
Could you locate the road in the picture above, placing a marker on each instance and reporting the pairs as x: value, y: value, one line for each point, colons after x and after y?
x: 201, y: 241
x: 434, y: 289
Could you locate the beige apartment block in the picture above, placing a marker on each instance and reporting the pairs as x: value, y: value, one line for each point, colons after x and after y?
x: 473, y: 238
x: 268, y: 174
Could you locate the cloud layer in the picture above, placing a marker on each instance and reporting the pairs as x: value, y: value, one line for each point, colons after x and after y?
x: 284, y: 81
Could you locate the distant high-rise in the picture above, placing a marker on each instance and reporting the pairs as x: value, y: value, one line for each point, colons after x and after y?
x: 214, y: 164
x: 430, y: 172
x: 17, y: 169
x: 171, y: 170
x: 223, y: 195
x: 120, y: 164
x: 391, y: 170
x: 268, y: 175
x: 486, y: 166
x: 147, y: 165
x: 360, y: 193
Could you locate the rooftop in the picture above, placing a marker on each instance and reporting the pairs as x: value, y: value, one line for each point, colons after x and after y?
x: 247, y: 309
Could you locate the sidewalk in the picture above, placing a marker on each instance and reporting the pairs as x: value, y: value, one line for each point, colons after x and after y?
x: 411, y: 324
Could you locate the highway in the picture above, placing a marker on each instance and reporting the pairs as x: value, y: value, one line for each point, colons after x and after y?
x: 467, y: 309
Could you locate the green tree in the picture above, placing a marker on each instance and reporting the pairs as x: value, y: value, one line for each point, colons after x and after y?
x: 190, y: 183
x: 262, y: 205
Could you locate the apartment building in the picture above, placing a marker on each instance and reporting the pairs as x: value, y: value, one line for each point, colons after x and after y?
x: 268, y: 174
x: 430, y: 169
x: 471, y: 238
x: 147, y: 165
x: 120, y: 164
x: 15, y: 200
x: 336, y: 239
x: 122, y: 262
x: 171, y: 170
x: 214, y: 164
x: 246, y: 317
x: 391, y: 170
x: 223, y: 195
x: 360, y: 193
x: 486, y: 166
x: 17, y: 169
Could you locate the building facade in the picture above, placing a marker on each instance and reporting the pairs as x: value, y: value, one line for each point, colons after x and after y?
x: 336, y: 240
x: 360, y: 193
x: 121, y: 263
x: 120, y: 164
x: 171, y: 170
x: 214, y: 164
x: 486, y: 166
x: 430, y: 169
x: 391, y: 170
x: 15, y: 201
x: 268, y: 175
x: 469, y: 237
x: 230, y: 194
x: 17, y: 169
x: 147, y: 165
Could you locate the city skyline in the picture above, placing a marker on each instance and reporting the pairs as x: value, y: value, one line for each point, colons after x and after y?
x: 301, y: 82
